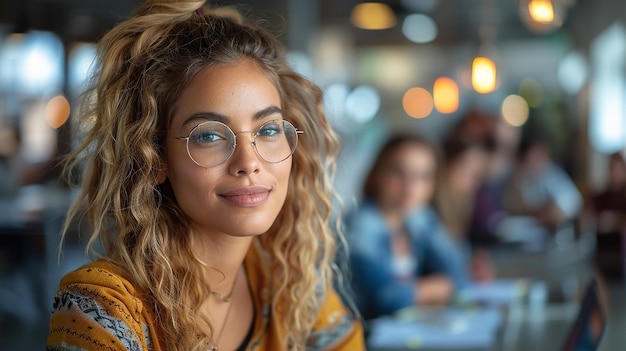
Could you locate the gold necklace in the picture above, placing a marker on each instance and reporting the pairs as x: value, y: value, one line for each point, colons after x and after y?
x: 226, y: 299
x: 222, y: 298
x: 219, y: 334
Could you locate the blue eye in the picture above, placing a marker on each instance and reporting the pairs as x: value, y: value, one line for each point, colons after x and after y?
x: 206, y: 137
x: 270, y: 130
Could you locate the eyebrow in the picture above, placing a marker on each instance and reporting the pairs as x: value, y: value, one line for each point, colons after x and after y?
x: 200, y: 117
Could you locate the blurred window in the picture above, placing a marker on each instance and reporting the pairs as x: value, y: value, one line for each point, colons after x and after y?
x: 608, y: 90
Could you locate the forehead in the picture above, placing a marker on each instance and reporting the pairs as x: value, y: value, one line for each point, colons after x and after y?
x: 411, y: 151
x: 410, y: 156
x: 232, y: 90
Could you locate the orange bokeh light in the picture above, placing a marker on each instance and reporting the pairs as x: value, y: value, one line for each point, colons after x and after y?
x: 373, y: 16
x: 417, y: 102
x: 446, y: 95
x: 57, y: 111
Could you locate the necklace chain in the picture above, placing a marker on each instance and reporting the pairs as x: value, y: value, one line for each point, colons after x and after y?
x: 224, y: 299
x: 228, y: 297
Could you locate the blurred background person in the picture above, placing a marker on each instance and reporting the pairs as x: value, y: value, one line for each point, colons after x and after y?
x: 605, y: 219
x: 9, y: 180
x: 541, y: 189
x: 567, y: 71
x: 489, y: 212
x: 400, y: 252
x: 608, y: 206
x: 466, y: 153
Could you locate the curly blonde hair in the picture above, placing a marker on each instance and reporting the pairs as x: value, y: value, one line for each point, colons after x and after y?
x: 144, y: 64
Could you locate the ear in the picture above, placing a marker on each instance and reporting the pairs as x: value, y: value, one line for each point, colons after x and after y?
x: 162, y: 175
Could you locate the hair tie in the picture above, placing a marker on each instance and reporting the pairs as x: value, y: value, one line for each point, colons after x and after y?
x: 200, y: 11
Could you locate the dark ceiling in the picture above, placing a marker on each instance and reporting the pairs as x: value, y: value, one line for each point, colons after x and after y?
x: 457, y: 20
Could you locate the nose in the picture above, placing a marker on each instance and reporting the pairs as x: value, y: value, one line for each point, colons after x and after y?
x: 245, y: 159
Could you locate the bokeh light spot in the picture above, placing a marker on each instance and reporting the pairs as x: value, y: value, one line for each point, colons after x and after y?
x: 417, y: 102
x: 419, y: 28
x: 515, y: 110
x: 373, y: 16
x: 57, y: 111
x: 446, y: 95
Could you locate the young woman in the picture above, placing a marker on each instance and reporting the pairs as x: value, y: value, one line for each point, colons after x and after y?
x: 205, y: 182
x: 400, y: 252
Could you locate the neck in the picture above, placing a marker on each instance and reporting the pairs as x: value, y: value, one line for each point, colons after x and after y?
x: 224, y: 256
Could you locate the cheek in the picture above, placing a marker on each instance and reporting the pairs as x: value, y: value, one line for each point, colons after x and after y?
x: 404, y: 193
x: 282, y: 172
x: 389, y: 182
x: 188, y: 180
x: 192, y: 189
x: 392, y: 189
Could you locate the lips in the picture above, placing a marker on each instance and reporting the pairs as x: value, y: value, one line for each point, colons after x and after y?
x: 247, y: 197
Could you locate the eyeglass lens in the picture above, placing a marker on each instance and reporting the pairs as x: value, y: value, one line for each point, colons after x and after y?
x: 212, y: 143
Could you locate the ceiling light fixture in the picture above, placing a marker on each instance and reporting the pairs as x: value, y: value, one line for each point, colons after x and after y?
x: 543, y: 16
x: 484, y: 71
x: 541, y: 11
x: 483, y: 75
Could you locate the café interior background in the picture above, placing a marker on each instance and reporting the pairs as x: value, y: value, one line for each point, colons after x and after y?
x: 387, y: 66
x: 566, y: 68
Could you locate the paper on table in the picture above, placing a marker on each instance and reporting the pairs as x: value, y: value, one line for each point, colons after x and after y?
x: 497, y: 292
x: 446, y: 327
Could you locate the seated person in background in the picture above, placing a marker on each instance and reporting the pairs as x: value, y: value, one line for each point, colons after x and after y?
x: 466, y: 158
x: 8, y: 178
x: 604, y: 218
x: 608, y: 206
x: 539, y: 188
x: 400, y: 253
x: 489, y: 212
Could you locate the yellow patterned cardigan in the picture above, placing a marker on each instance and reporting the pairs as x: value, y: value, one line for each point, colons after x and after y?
x: 95, y: 308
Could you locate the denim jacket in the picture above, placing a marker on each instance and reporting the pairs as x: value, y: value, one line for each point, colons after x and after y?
x: 376, y: 288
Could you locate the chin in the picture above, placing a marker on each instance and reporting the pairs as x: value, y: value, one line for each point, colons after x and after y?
x: 249, y: 233
x: 248, y: 227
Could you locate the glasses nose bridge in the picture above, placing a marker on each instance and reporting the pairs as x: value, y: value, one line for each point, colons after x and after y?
x: 252, y: 138
x: 252, y: 132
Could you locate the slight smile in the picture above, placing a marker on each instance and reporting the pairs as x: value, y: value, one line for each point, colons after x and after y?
x: 248, y: 196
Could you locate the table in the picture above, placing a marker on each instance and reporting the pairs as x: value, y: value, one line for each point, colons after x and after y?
x: 543, y: 325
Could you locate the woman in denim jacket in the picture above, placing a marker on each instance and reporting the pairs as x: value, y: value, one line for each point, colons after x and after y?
x: 400, y: 253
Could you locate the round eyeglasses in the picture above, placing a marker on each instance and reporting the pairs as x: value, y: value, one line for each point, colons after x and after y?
x: 211, y: 143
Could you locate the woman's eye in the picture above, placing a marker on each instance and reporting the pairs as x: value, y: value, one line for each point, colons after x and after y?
x: 207, y: 137
x: 269, y: 130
